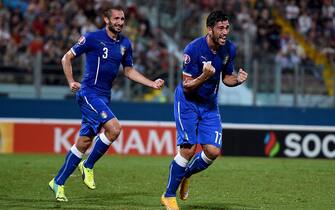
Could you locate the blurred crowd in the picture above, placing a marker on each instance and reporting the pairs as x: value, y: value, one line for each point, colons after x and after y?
x: 28, y: 27
x: 52, y: 27
x: 313, y: 19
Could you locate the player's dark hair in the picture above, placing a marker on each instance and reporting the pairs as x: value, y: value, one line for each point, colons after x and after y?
x: 214, y: 17
x: 107, y: 11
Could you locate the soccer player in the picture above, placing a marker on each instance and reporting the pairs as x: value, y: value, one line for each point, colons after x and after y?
x: 105, y: 50
x: 195, y: 107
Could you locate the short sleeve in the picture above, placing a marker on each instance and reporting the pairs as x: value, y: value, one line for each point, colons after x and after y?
x: 82, y: 46
x: 190, y: 61
x: 127, y: 59
x: 229, y: 67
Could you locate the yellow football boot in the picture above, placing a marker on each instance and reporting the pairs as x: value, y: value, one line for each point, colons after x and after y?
x: 87, y: 175
x: 58, y: 190
x: 170, y: 203
x: 184, y: 188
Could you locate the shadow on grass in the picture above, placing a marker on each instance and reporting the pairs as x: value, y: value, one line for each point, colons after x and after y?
x: 132, y: 200
x: 96, y: 200
x: 102, y: 200
x: 26, y: 203
x: 219, y: 206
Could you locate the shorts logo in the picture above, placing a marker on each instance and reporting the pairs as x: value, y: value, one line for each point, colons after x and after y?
x: 186, y: 59
x: 103, y: 114
x: 81, y: 40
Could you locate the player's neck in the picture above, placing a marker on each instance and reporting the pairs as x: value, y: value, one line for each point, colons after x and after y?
x: 211, y: 44
x: 111, y: 34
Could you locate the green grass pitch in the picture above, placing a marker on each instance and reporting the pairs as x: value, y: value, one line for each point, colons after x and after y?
x: 125, y: 182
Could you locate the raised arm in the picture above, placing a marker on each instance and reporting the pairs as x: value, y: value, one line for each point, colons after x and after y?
x: 235, y: 80
x: 190, y: 83
x: 136, y: 76
x: 67, y: 68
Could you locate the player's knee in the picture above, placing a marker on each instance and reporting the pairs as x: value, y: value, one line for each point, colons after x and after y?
x: 83, y: 144
x: 212, y: 152
x: 113, y: 131
x: 215, y: 154
x: 187, y: 152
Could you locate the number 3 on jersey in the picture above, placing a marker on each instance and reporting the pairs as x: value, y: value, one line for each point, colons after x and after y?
x: 105, y: 49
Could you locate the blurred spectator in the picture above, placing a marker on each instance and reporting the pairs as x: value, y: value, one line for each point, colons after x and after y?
x: 328, y: 9
x: 36, y: 45
x: 292, y: 12
x: 288, y: 56
x: 245, y: 21
x: 304, y: 22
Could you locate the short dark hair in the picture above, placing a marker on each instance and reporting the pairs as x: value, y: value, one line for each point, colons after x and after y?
x: 214, y: 17
x: 107, y: 11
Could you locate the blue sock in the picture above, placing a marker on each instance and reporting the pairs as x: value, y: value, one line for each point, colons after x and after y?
x: 199, y: 163
x: 177, y: 172
x: 72, y: 160
x: 101, y: 145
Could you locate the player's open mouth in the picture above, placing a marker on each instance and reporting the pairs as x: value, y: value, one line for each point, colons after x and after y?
x: 222, y: 39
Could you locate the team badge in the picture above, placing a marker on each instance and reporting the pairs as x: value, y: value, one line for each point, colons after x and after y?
x: 123, y: 50
x: 186, y: 59
x: 81, y: 40
x: 103, y: 114
x: 225, y: 60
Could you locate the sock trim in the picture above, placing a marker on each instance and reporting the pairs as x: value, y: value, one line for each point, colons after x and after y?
x: 180, y: 160
x: 76, y: 152
x: 104, y: 139
x: 205, y: 158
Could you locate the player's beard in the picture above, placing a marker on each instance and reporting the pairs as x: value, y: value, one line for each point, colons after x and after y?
x: 216, y: 39
x: 113, y: 29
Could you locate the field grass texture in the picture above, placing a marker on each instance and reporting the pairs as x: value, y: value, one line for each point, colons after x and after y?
x: 137, y: 182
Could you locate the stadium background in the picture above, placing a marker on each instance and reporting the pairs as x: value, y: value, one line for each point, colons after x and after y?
x: 285, y: 109
x: 287, y: 47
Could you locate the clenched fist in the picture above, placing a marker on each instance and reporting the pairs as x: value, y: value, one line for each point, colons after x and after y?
x: 242, y: 76
x: 158, y: 84
x: 208, y: 69
x: 74, y: 86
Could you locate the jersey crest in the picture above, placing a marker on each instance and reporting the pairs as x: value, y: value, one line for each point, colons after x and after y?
x: 103, y: 115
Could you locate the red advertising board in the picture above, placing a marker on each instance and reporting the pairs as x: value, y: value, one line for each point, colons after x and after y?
x: 159, y: 138
x: 136, y: 138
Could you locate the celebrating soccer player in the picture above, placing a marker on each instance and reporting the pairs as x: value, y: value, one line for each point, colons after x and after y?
x: 195, y: 107
x: 105, y: 50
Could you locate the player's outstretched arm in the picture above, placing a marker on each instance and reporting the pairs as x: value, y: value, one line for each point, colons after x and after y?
x: 136, y: 76
x: 190, y: 83
x: 235, y: 80
x: 67, y: 68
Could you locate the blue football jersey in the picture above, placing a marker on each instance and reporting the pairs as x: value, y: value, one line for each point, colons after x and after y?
x: 198, y: 52
x: 103, y: 58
